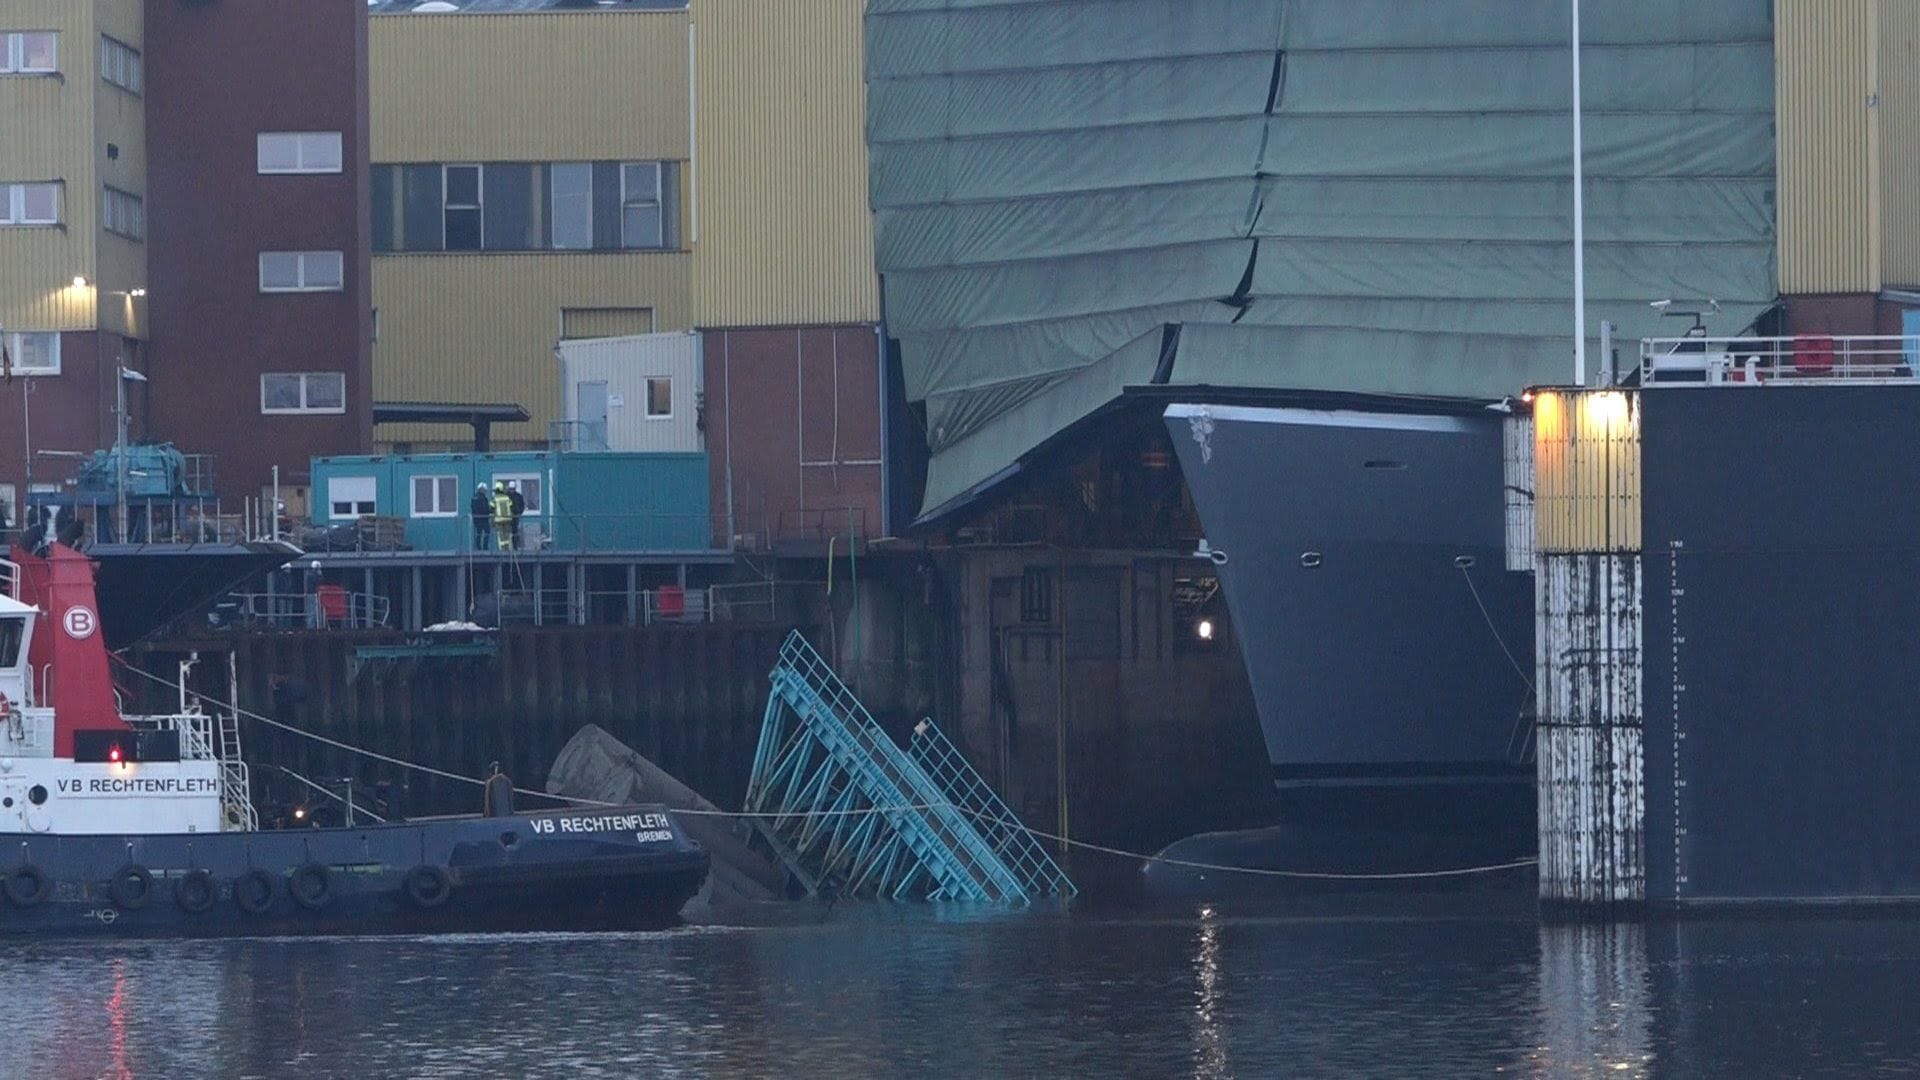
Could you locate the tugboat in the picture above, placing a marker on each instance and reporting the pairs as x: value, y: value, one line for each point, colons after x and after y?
x: 118, y: 825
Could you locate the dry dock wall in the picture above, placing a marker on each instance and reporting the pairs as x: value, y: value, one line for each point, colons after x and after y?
x: 1782, y: 621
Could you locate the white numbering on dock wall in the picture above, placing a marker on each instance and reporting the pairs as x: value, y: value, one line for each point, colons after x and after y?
x: 1674, y: 595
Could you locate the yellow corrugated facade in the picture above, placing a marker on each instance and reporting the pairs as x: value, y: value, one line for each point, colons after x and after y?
x: 1586, y: 471
x: 780, y: 166
x: 483, y: 327
x: 775, y: 224
x: 560, y: 86
x: 58, y: 128
x: 1847, y: 98
x: 551, y: 86
x: 1898, y: 65
x: 1823, y: 79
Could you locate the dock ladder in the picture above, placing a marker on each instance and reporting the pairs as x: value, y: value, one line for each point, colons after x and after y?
x: 850, y: 813
x: 236, y: 790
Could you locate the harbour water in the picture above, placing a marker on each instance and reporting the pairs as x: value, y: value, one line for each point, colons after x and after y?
x: 884, y: 992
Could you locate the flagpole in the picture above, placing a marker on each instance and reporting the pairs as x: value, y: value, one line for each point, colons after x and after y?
x: 1579, y: 223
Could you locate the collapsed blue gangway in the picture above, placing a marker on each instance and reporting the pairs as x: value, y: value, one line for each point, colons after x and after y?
x: 852, y: 814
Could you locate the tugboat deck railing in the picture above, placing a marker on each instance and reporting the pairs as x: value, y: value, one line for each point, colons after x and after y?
x: 1799, y: 360
x: 196, y: 733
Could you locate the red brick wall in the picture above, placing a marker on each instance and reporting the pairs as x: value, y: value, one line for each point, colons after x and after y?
x: 216, y: 76
x: 795, y: 411
x: 70, y: 412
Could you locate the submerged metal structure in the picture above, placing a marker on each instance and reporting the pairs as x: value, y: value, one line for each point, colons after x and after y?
x: 851, y: 814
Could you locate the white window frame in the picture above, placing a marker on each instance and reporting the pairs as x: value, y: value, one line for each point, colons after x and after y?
x: 16, y: 348
x: 478, y: 206
x: 647, y: 405
x: 13, y: 53
x: 301, y: 272
x: 306, y: 378
x: 113, y: 203
x: 371, y: 502
x: 13, y: 203
x: 657, y: 201
x: 133, y: 69
x: 522, y: 478
x: 309, y: 153
x: 443, y: 483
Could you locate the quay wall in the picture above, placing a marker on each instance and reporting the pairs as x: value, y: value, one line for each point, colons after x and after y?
x: 689, y: 698
x: 1148, y: 734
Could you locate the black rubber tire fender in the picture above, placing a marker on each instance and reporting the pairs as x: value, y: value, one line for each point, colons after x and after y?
x: 131, y: 887
x: 26, y: 885
x: 311, y: 886
x: 429, y: 886
x: 194, y: 891
x: 253, y: 891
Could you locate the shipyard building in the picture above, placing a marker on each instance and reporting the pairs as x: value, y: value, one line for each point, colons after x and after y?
x: 1176, y: 411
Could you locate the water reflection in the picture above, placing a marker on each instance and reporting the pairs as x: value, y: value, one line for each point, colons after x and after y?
x: 1595, y: 1001
x: 891, y: 992
x: 1210, y: 1048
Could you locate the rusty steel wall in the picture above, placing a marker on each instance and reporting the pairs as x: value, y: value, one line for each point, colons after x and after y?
x: 1589, y: 757
x: 689, y: 698
x: 1586, y: 461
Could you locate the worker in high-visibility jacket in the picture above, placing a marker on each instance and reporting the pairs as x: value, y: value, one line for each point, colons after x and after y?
x: 502, y: 515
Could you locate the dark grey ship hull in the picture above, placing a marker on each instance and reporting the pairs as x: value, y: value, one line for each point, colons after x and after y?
x: 620, y: 869
x: 1388, y: 646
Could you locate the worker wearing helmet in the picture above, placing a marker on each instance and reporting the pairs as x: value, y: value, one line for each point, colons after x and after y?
x: 502, y: 515
x: 481, y: 507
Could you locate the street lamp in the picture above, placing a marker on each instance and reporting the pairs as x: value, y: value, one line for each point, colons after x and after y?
x: 127, y: 375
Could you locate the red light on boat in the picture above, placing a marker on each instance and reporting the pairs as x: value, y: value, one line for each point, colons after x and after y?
x: 113, y: 754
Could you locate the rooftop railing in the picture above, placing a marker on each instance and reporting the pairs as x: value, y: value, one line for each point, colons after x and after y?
x: 1800, y: 360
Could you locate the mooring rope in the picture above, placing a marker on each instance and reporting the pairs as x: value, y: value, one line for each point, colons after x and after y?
x: 1525, y: 675
x: 749, y: 815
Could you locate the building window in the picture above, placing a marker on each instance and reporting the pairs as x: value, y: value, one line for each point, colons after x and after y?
x: 303, y: 392
x: 461, y: 192
x: 577, y: 323
x: 526, y: 206
x: 571, y: 188
x: 279, y: 152
x: 302, y: 271
x: 120, y: 64
x: 350, y: 496
x: 435, y: 496
x: 659, y: 399
x: 32, y: 352
x: 30, y: 204
x: 529, y: 487
x: 640, y: 218
x: 123, y: 214
x: 30, y: 52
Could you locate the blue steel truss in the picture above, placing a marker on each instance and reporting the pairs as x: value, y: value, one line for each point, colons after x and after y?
x: 850, y: 813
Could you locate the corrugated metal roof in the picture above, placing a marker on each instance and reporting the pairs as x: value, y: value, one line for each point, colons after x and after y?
x: 481, y: 7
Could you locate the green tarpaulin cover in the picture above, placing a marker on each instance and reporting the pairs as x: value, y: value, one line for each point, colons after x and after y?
x: 1356, y: 195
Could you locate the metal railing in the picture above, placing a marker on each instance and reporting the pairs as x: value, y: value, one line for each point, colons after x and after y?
x: 307, y: 611
x: 568, y: 436
x: 195, y: 730
x: 1803, y: 359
